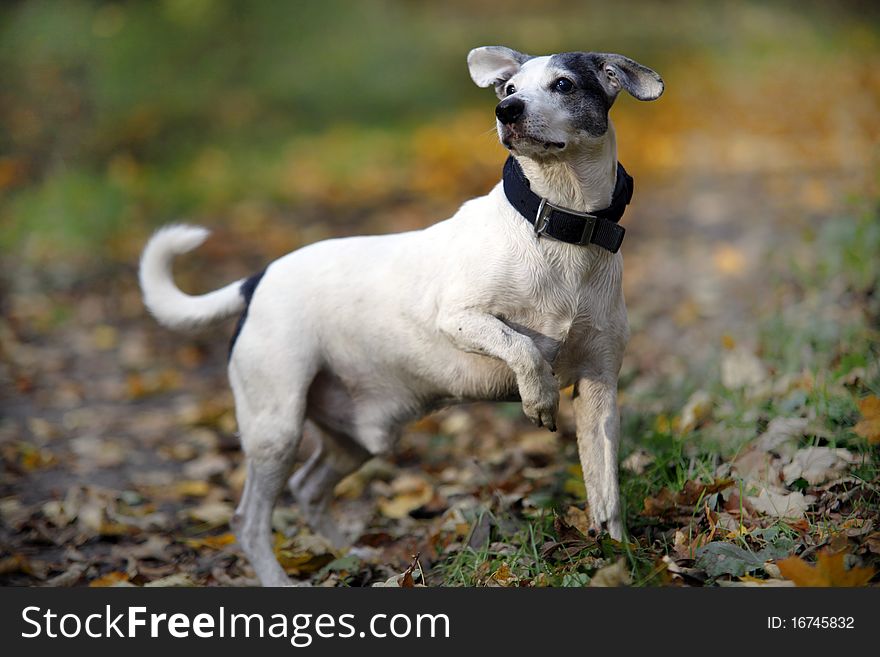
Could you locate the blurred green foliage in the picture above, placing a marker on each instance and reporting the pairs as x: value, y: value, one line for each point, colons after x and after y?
x: 107, y: 108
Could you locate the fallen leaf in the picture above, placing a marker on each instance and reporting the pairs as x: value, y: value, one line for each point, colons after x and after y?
x: 617, y: 574
x: 176, y: 580
x: 94, y: 452
x: 740, y: 368
x: 214, y: 514
x: 817, y: 465
x: 110, y: 579
x: 192, y: 488
x: 638, y: 461
x: 579, y: 519
x: 18, y: 563
x: 411, y: 492
x: 829, y: 570
x: 480, y: 532
x: 539, y: 444
x: 781, y: 430
x: 303, y: 554
x: 393, y: 582
x: 214, y: 542
x: 730, y: 260
x: 69, y: 577
x: 726, y: 559
x: 721, y: 558
x: 696, y: 411
x: 869, y: 426
x: 206, y: 466
x: 503, y: 576
x: 781, y: 505
x: 750, y: 581
x: 666, y: 502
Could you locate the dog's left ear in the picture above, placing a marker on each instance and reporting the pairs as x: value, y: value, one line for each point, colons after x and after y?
x: 494, y: 65
x: 617, y: 72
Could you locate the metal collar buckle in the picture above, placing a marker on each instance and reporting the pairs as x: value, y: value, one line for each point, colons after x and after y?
x: 542, y: 220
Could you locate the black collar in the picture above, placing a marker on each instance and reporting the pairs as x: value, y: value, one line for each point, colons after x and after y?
x: 600, y: 228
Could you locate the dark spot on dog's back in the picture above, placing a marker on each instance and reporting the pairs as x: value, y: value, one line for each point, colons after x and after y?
x: 589, y: 103
x: 248, y: 287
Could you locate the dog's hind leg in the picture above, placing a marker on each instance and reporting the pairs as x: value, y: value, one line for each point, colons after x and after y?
x: 271, y: 428
x: 252, y: 521
x: 313, y: 484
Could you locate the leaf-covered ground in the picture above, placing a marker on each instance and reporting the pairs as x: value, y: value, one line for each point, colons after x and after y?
x: 749, y: 392
x: 121, y: 465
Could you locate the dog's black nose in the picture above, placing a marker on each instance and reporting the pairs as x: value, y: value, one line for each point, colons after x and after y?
x: 509, y: 110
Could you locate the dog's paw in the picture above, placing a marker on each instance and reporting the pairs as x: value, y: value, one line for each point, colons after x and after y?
x: 541, y: 400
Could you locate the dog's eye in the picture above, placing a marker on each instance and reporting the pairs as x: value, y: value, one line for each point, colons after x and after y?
x: 563, y: 85
x: 509, y: 89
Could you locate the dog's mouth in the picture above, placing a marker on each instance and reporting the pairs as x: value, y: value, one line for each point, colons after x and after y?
x: 511, y: 134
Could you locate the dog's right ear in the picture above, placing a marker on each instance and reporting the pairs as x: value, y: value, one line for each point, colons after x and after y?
x: 494, y: 65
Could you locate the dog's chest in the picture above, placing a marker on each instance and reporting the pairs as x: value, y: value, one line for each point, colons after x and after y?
x: 555, y: 307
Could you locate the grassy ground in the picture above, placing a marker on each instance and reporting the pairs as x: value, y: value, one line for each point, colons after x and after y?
x: 815, y: 370
x: 751, y: 277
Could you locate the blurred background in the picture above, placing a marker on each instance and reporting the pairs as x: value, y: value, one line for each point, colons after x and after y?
x: 751, y: 253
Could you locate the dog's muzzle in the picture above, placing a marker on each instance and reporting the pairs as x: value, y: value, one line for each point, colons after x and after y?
x: 510, y: 110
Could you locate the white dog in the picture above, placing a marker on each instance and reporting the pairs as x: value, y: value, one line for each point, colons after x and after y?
x: 515, y: 296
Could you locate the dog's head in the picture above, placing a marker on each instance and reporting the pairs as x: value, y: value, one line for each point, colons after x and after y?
x: 554, y: 104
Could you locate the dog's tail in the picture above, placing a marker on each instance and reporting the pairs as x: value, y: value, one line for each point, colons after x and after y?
x: 170, y: 306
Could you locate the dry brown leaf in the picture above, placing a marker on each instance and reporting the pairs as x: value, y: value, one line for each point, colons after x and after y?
x: 828, y: 571
x: 617, y: 574
x: 869, y: 426
x: 817, y: 465
x: 781, y: 505
x: 579, y: 519
x: 302, y: 554
x: 696, y: 411
x: 503, y: 576
x: 666, y: 502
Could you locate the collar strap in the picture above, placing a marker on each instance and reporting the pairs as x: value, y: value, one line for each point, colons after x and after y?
x: 600, y: 227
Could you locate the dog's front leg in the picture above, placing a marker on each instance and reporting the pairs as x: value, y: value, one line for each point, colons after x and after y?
x: 598, y: 437
x: 482, y: 333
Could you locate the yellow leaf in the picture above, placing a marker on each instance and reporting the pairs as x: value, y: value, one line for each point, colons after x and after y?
x: 730, y: 260
x: 828, y: 571
x: 869, y: 426
x: 662, y: 424
x: 105, y: 337
x: 302, y: 555
x: 411, y: 493
x: 110, y: 579
x: 502, y: 577
x: 192, y: 488
x: 213, y: 542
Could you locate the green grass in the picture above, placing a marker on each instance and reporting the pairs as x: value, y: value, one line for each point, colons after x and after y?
x: 828, y: 350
